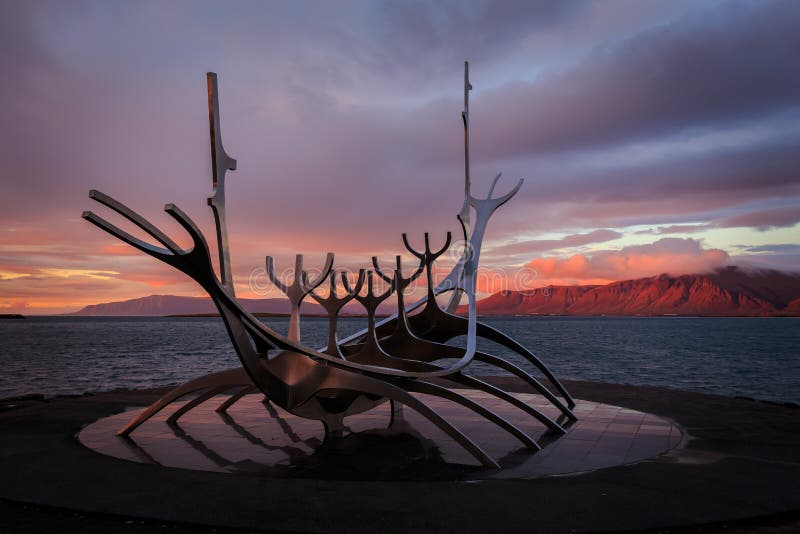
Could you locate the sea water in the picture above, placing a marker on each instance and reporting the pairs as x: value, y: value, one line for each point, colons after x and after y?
x: 751, y: 357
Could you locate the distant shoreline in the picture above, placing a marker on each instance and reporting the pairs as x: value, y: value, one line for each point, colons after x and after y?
x: 256, y: 314
x: 384, y: 315
x: 502, y: 316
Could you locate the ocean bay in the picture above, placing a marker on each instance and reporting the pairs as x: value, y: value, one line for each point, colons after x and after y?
x: 750, y: 357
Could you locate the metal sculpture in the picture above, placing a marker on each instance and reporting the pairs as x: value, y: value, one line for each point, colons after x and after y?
x: 388, y: 361
x: 333, y: 304
x: 298, y: 289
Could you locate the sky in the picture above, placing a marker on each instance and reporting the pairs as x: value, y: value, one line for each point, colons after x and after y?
x: 654, y: 137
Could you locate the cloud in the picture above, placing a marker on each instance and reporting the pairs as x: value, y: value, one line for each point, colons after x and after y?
x: 672, y: 256
x: 674, y: 190
x: 542, y: 245
x: 13, y: 306
x: 783, y: 248
x: 452, y: 31
x: 715, y: 65
x: 780, y: 256
x: 681, y: 229
x: 763, y: 220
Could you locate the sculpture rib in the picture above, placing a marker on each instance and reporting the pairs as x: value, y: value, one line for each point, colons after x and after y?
x: 230, y: 376
x: 538, y: 386
x: 230, y: 401
x: 473, y: 382
x: 427, y: 388
x: 495, y: 335
x: 197, y: 401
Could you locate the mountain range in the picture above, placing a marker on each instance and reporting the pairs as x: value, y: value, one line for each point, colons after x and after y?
x: 727, y: 292
x: 160, y: 305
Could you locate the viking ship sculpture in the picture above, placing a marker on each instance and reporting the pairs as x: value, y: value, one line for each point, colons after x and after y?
x: 390, y: 360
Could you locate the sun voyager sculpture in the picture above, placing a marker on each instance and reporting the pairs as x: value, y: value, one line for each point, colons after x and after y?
x: 389, y: 361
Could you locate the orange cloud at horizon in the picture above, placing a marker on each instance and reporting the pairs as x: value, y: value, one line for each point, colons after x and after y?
x: 672, y: 256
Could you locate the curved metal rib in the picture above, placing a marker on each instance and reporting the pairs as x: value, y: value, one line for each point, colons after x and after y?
x: 136, y: 219
x: 231, y: 376
x: 461, y: 378
x: 437, y: 391
x: 429, y: 351
x: 538, y: 386
x: 437, y: 325
x: 197, y: 401
x: 497, y: 336
x: 233, y: 399
x: 122, y: 235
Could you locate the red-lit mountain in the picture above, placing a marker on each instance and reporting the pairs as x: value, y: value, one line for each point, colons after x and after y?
x: 727, y: 292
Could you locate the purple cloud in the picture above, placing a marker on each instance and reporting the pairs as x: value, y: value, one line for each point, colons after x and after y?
x: 542, y: 245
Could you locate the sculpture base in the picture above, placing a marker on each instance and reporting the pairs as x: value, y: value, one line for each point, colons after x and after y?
x: 258, y: 437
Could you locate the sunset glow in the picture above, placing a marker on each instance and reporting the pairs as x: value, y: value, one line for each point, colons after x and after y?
x: 654, y: 137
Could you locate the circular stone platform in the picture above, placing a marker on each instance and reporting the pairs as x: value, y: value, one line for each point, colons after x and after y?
x: 258, y: 437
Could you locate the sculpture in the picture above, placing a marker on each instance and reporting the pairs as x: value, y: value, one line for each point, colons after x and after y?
x: 389, y: 360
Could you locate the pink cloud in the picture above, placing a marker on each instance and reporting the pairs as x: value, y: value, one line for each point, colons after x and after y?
x: 13, y: 306
x: 669, y: 255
